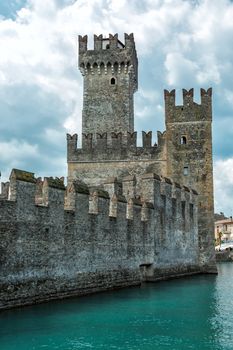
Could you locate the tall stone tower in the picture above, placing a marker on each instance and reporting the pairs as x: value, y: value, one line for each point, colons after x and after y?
x: 110, y: 80
x: 109, y: 143
x: 189, y: 160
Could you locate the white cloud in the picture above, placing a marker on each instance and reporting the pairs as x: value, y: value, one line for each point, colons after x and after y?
x: 14, y: 153
x: 14, y: 149
x: 179, y: 69
x: 228, y: 94
x: 54, y: 136
x: 223, y: 174
x: 180, y: 44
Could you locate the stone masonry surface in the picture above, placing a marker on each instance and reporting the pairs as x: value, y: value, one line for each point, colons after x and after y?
x: 128, y: 214
x: 183, y: 152
x: 58, y: 242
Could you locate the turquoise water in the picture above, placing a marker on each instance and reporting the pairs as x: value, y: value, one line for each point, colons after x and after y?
x: 189, y: 313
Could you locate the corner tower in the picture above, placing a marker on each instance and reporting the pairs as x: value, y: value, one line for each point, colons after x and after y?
x: 110, y: 80
x: 189, y: 160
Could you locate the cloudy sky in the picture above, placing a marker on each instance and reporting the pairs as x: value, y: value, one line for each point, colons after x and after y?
x: 180, y: 44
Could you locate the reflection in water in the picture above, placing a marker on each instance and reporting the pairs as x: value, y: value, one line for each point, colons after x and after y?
x: 190, y: 313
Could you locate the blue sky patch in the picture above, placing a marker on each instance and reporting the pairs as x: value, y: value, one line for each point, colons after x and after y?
x: 189, y: 45
x: 9, y: 8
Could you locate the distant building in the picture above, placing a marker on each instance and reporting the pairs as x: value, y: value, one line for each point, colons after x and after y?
x: 219, y: 216
x: 225, y: 229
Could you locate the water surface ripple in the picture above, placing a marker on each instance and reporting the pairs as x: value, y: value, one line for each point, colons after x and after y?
x: 190, y: 313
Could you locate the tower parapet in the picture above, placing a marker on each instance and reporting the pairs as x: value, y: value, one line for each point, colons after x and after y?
x: 114, y: 147
x: 108, y: 53
x: 110, y: 72
x: 189, y: 110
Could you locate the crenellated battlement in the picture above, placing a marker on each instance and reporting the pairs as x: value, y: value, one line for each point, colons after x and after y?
x: 24, y: 189
x: 110, y: 43
x: 109, y: 57
x: 189, y: 110
x: 68, y: 239
x: 116, y: 146
x: 170, y: 96
x: 128, y: 213
x: 4, y: 190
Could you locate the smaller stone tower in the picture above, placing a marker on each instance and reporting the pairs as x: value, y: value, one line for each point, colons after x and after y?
x: 189, y: 160
x: 110, y: 80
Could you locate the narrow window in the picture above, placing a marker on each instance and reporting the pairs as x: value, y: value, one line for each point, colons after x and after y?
x: 183, y: 140
x: 113, y: 81
x: 173, y: 207
x: 191, y: 211
x: 163, y: 211
x: 183, y: 209
x: 186, y: 170
x: 107, y: 46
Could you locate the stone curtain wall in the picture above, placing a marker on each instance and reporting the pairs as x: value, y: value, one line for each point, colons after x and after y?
x: 74, y: 242
x: 115, y: 147
x: 114, y: 155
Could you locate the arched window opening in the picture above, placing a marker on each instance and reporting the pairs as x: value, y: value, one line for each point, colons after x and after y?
x: 113, y: 81
x: 183, y: 140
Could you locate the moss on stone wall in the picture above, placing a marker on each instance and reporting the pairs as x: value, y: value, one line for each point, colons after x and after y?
x: 22, y: 175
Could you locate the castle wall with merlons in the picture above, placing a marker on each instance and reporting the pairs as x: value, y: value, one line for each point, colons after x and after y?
x: 183, y: 153
x: 110, y: 80
x: 115, y: 155
x: 57, y: 242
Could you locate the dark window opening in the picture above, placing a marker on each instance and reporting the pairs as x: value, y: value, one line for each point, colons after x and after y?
x: 163, y: 210
x: 183, y: 209
x: 173, y: 207
x: 113, y: 81
x: 191, y: 211
x: 183, y: 140
x: 107, y: 46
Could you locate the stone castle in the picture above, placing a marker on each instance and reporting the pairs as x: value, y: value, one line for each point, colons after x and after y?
x: 128, y: 214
